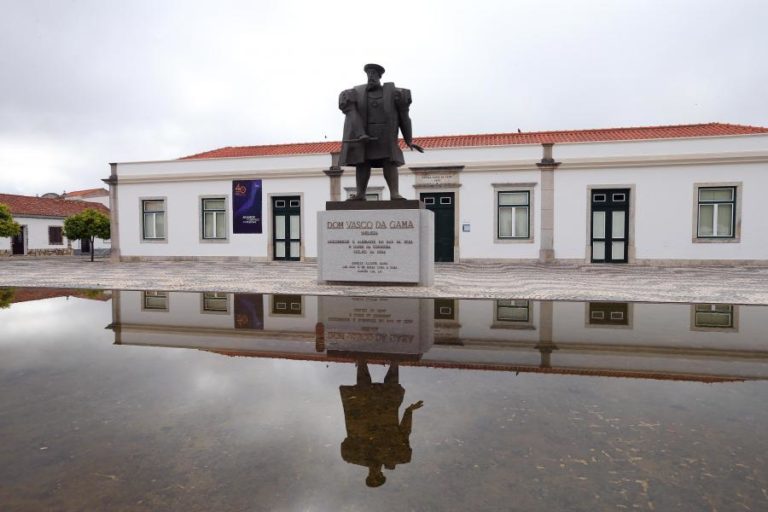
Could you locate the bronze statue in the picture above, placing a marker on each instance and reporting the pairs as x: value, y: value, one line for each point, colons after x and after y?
x: 374, y: 114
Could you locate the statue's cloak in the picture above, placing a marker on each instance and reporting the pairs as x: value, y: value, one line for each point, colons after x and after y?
x: 354, y: 103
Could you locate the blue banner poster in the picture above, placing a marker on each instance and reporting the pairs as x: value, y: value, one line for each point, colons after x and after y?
x: 246, y: 206
x: 249, y: 311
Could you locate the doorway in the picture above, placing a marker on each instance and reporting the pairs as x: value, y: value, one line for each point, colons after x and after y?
x: 17, y: 242
x: 609, y: 225
x: 286, y: 228
x: 442, y: 204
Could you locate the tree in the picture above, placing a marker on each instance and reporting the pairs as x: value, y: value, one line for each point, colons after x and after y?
x: 7, y: 226
x: 89, y: 224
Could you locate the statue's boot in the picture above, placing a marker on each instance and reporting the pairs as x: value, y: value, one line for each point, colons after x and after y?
x: 392, y: 179
x: 362, y: 175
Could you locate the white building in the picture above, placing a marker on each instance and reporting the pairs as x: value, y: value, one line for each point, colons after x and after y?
x: 91, y: 195
x: 42, y: 226
x: 673, y: 194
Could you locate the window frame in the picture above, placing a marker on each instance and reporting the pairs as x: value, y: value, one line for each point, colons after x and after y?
x: 735, y: 236
x: 201, y: 216
x: 155, y: 293
x: 701, y: 308
x: 142, y: 213
x: 506, y: 323
x: 60, y: 241
x: 501, y: 188
x: 220, y: 296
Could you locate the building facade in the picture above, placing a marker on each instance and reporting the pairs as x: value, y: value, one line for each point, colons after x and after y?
x: 42, y: 227
x: 655, y: 195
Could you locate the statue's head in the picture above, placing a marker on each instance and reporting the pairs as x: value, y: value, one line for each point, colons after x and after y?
x: 376, y: 477
x: 374, y: 72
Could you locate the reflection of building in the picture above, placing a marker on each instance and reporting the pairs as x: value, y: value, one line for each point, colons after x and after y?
x: 700, y: 342
x: 10, y: 295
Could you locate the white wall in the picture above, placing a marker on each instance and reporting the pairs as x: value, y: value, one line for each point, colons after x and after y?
x: 664, y: 207
x: 36, y: 234
x: 98, y: 199
x: 183, y: 217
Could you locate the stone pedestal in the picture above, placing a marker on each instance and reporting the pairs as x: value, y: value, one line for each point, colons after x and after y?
x: 376, y: 242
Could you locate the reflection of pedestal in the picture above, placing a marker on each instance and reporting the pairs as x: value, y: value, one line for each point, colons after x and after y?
x: 376, y: 242
x: 376, y: 327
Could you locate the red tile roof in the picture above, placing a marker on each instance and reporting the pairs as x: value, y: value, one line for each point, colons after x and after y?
x: 43, y: 207
x: 87, y: 192
x: 502, y: 139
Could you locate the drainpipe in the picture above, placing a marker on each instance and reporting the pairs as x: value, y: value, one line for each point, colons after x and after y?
x: 335, y: 172
x: 547, y: 168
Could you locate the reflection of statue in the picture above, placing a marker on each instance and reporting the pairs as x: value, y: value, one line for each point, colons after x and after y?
x: 374, y: 114
x: 375, y: 436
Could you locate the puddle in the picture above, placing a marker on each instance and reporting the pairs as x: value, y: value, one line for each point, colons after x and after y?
x: 131, y: 400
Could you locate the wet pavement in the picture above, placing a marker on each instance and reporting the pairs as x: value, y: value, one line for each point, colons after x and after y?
x: 715, y: 284
x: 196, y: 402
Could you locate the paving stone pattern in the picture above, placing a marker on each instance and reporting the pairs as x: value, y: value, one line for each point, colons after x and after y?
x: 715, y: 284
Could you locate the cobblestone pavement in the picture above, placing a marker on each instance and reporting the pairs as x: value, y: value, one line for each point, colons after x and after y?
x: 715, y: 284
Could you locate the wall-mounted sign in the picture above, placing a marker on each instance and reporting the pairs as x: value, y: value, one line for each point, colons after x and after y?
x: 246, y: 206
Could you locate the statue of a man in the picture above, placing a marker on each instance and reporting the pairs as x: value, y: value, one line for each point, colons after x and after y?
x: 374, y: 114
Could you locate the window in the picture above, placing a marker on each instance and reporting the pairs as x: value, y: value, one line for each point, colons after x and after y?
x: 55, y: 235
x: 508, y: 310
x: 716, y: 316
x: 215, y: 302
x: 153, y: 212
x: 214, y: 218
x: 716, y: 212
x: 513, y: 214
x: 157, y: 301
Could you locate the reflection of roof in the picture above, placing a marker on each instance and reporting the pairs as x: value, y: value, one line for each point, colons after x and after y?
x: 502, y: 139
x: 88, y: 192
x: 45, y: 207
x: 32, y: 294
x: 493, y: 367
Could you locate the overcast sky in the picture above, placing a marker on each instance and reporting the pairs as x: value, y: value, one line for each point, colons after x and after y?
x: 85, y: 83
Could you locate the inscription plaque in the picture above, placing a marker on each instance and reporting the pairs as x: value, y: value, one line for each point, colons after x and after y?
x: 380, y: 246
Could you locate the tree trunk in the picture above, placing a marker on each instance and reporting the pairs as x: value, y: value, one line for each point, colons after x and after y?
x: 93, y: 243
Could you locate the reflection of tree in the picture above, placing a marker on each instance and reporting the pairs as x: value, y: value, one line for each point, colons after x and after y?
x: 89, y: 293
x: 6, y: 297
x: 375, y: 435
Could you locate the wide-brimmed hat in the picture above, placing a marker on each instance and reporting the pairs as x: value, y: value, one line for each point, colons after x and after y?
x: 378, y: 68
